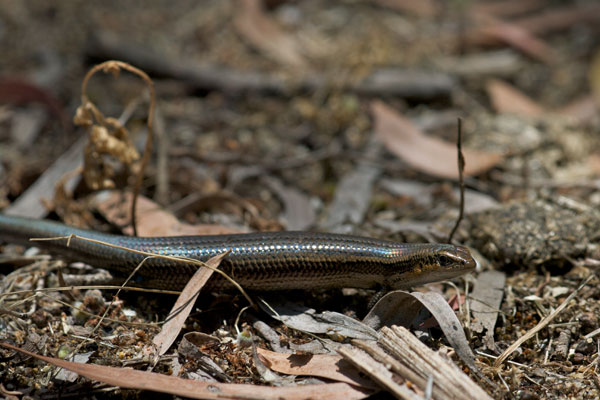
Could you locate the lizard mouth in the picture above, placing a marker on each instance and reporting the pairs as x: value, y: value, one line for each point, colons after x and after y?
x: 465, y: 258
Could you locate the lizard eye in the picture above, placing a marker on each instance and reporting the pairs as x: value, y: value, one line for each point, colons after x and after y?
x: 445, y: 261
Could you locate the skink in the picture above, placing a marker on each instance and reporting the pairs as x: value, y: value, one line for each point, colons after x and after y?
x: 257, y: 261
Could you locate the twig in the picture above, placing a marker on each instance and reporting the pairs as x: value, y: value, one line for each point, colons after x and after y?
x: 461, y: 180
x: 397, y: 82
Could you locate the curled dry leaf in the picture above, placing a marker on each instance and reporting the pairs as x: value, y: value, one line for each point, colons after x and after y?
x: 400, y: 308
x: 424, y: 153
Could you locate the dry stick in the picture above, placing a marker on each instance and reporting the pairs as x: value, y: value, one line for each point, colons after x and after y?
x: 42, y: 291
x: 378, y: 372
x: 114, y: 66
x: 461, y: 180
x: 162, y: 160
x: 86, y: 287
x: 382, y: 82
x: 545, y: 321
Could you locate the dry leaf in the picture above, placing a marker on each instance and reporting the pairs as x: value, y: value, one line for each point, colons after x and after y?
x: 560, y: 18
x: 517, y: 37
x: 264, y: 34
x: 299, y: 212
x: 507, y: 99
x: 143, y: 380
x: 400, y: 308
x: 424, y: 153
x: 353, y: 193
x: 306, y: 319
x: 152, y: 219
x: 323, y: 365
x: 184, y: 304
x: 583, y: 110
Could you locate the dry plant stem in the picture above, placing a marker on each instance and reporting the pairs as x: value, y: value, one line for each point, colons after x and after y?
x: 85, y: 287
x: 162, y: 160
x: 114, y: 67
x: 545, y: 321
x: 461, y: 180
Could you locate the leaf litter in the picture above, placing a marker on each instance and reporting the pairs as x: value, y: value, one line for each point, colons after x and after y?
x: 536, y: 171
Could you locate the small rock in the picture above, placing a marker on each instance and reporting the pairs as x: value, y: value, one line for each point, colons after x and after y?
x: 586, y: 346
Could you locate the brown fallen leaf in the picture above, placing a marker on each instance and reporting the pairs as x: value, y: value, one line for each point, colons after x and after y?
x: 582, y: 110
x: 330, y: 366
x: 143, y: 380
x: 152, y: 219
x: 425, y: 153
x: 560, y: 18
x: 515, y: 36
x: 184, y: 304
x: 298, y: 210
x: 264, y: 34
x: 507, y: 99
x: 541, y: 23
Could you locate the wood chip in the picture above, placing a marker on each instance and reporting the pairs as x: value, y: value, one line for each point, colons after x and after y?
x: 485, y: 304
